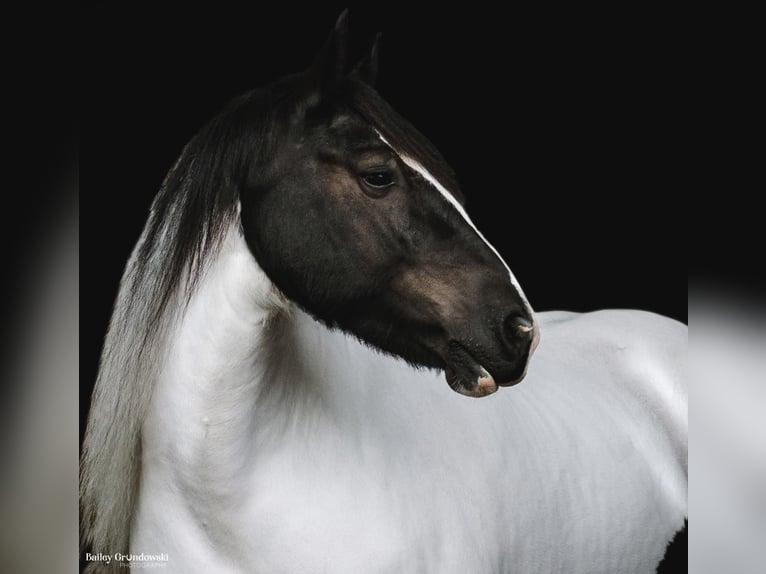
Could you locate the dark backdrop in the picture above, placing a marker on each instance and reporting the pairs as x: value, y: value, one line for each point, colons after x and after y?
x: 561, y: 128
x: 562, y: 132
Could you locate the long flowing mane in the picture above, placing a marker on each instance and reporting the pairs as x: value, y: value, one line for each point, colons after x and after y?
x: 195, y: 206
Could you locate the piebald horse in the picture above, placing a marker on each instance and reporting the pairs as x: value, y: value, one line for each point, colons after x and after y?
x: 269, y: 401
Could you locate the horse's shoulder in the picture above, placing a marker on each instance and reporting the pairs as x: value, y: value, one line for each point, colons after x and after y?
x: 621, y: 375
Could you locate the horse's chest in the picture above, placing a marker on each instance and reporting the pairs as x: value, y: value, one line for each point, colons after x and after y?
x: 363, y: 516
x: 336, y: 505
x: 332, y: 509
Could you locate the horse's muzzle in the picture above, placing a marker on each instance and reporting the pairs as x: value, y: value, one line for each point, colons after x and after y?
x: 477, y: 371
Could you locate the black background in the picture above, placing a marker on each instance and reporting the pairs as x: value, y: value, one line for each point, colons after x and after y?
x: 562, y: 129
x: 562, y: 134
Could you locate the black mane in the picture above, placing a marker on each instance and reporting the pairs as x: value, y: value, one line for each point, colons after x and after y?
x: 197, y: 201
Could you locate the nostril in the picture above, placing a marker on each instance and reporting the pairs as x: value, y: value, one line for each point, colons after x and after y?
x: 517, y: 327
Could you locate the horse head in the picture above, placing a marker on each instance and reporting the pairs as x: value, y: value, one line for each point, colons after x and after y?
x: 357, y: 218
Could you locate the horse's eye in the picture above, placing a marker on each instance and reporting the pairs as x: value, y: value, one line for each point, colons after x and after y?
x: 379, y: 179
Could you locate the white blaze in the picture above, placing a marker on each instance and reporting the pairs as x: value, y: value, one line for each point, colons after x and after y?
x: 425, y: 174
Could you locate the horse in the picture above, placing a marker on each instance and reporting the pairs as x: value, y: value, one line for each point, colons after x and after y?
x: 270, y: 393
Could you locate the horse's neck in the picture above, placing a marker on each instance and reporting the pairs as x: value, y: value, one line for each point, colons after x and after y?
x: 204, y: 404
x: 245, y: 369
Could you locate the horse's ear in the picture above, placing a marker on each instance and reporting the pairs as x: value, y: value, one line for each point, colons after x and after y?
x: 367, y: 69
x: 330, y: 64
